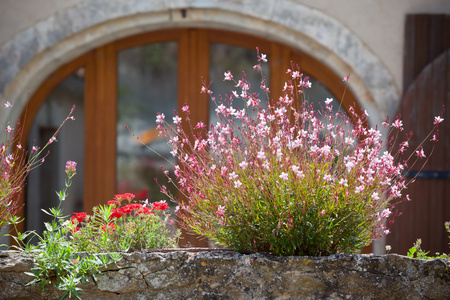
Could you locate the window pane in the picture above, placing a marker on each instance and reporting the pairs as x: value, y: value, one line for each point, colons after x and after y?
x: 147, y: 84
x: 226, y: 57
x: 50, y: 176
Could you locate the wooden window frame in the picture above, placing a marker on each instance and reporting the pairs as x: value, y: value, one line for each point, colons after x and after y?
x: 100, y: 91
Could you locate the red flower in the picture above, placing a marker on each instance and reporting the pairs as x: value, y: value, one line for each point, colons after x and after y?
x: 79, y: 217
x: 75, y: 229
x: 115, y: 214
x: 160, y: 205
x: 126, y: 196
x: 130, y: 207
x: 112, y: 202
x: 111, y: 226
x: 145, y: 210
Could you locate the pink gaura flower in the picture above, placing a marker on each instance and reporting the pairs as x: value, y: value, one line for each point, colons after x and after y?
x: 284, y: 176
x: 160, y: 118
x: 359, y: 189
x: 220, y: 211
x: 420, y: 153
x: 228, y: 75
x: 176, y: 119
x: 398, y: 124
x: 438, y: 120
x: 237, y: 184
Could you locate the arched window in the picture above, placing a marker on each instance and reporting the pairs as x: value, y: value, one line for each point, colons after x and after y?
x: 125, y: 83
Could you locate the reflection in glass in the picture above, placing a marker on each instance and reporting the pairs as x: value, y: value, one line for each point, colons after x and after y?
x: 50, y: 176
x: 147, y: 84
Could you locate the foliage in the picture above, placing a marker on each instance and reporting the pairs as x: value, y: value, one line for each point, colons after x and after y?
x: 416, y: 250
x: 15, y: 166
x: 287, y: 179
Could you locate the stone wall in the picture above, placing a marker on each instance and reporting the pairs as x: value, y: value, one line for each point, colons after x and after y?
x: 230, y: 275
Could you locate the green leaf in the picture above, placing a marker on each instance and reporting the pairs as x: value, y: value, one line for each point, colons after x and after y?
x: 48, y: 226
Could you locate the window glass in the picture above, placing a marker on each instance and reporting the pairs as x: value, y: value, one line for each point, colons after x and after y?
x: 147, y: 84
x: 224, y: 57
x: 43, y: 181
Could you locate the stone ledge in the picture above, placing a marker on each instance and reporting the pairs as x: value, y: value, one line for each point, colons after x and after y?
x: 183, y: 274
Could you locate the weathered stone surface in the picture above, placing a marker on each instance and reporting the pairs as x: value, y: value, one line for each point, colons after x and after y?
x: 230, y: 275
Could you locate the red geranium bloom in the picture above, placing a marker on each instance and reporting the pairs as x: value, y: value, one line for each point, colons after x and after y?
x: 79, y: 217
x: 160, y: 205
x: 145, y: 210
x: 112, y: 202
x: 115, y: 214
x: 130, y: 207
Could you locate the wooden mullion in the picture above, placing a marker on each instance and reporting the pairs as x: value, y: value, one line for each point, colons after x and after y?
x: 279, y: 60
x: 100, y: 132
x: 193, y: 62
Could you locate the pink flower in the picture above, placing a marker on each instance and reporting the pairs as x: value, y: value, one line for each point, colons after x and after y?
x: 398, y: 124
x: 237, y: 184
x: 232, y: 175
x: 327, y: 177
x: 8, y: 104
x: 261, y: 155
x: 9, y: 129
x: 284, y: 176
x: 346, y: 78
x: 375, y: 196
x: 220, y: 211
x: 243, y: 165
x: 176, y: 120
x: 51, y: 140
x: 359, y: 189
x: 420, y: 153
x: 228, y: 75
x: 185, y: 108
x: 71, y: 168
x: 160, y: 118
x: 263, y: 58
x: 200, y: 125
x: 343, y: 182
x: 385, y: 213
x: 328, y: 101
x: 438, y: 120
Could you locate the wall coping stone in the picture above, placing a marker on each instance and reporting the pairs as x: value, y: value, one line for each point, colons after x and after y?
x: 217, y: 274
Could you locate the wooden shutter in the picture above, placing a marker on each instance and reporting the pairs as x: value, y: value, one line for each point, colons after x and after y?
x: 427, y: 89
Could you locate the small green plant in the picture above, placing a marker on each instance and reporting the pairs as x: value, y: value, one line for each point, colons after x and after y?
x: 416, y: 250
x: 56, y: 262
x: 120, y: 226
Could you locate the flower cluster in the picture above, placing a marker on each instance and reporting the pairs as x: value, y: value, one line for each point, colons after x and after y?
x: 123, y: 225
x: 287, y: 179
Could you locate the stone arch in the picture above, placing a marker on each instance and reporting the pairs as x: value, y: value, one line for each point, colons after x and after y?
x: 30, y: 56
